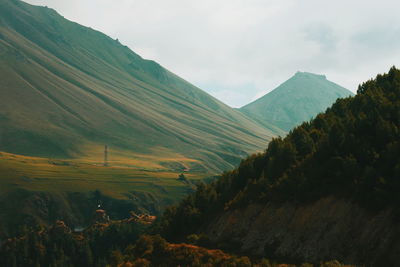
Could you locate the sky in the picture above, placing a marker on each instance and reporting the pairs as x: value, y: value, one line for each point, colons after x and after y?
x: 238, y: 50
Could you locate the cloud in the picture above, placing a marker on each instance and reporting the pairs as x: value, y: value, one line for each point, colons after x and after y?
x: 239, y: 49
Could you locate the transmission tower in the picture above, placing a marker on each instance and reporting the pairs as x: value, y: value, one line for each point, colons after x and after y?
x: 105, y: 156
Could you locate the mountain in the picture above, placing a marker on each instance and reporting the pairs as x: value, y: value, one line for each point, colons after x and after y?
x: 67, y: 90
x: 328, y: 190
x: 297, y: 100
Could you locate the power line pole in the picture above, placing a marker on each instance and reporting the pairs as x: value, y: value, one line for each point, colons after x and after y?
x: 105, y: 156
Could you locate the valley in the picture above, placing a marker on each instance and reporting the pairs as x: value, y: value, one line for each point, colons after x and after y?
x: 108, y: 159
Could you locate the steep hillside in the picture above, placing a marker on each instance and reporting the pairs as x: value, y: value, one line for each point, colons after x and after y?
x: 327, y: 229
x: 297, y: 100
x: 328, y: 190
x: 66, y: 90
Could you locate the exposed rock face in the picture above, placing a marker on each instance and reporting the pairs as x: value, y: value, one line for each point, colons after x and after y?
x: 327, y: 229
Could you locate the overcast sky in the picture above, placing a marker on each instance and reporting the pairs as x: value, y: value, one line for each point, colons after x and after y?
x: 238, y: 50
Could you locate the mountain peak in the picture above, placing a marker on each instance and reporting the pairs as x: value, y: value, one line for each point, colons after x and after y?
x: 296, y: 100
x: 309, y: 74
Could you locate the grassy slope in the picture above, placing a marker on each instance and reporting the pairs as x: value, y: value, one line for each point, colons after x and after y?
x: 46, y: 175
x: 67, y: 90
x: 297, y: 100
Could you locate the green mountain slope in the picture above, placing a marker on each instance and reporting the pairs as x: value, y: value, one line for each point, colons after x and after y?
x: 328, y: 190
x: 297, y: 100
x: 66, y: 90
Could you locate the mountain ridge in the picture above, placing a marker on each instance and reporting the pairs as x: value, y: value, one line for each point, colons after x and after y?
x: 68, y: 90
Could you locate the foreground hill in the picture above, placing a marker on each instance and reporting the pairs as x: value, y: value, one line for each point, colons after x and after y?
x: 328, y: 190
x: 66, y: 90
x: 297, y: 100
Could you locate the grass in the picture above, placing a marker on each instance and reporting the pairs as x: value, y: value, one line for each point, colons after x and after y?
x: 35, y: 190
x: 48, y: 175
x: 159, y: 158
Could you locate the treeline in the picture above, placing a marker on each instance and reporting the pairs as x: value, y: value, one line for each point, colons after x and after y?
x: 117, y: 245
x: 352, y: 150
x: 58, y: 246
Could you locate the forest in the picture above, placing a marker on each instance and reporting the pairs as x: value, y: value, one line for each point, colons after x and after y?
x: 117, y: 244
x: 352, y: 151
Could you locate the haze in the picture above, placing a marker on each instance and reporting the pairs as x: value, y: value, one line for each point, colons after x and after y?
x: 239, y: 50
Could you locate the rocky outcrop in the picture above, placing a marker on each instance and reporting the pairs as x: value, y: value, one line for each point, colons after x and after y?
x: 327, y: 229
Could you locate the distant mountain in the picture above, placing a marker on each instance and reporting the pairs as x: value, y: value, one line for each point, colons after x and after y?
x: 66, y: 90
x: 297, y: 100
